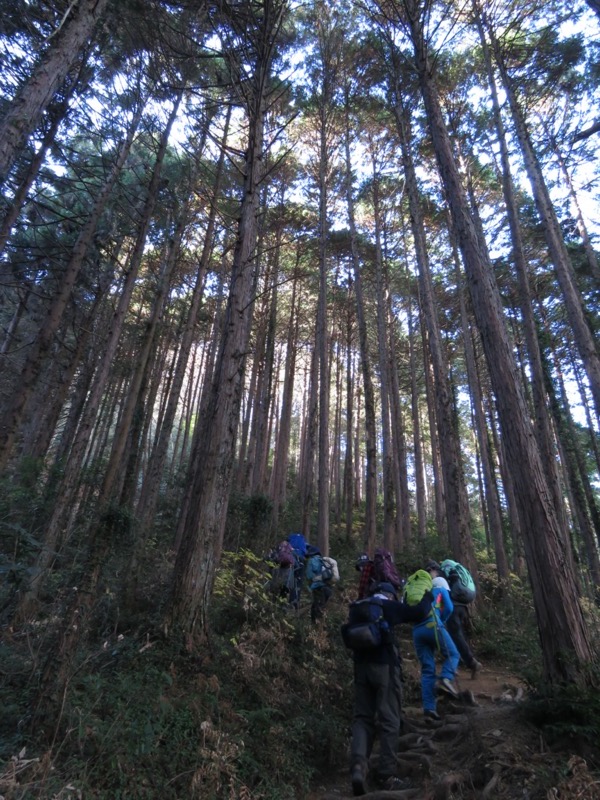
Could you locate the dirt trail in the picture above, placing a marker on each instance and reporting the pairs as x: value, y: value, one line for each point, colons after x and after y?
x: 482, y: 749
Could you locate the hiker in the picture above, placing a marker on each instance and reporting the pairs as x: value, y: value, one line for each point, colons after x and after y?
x: 299, y: 545
x: 384, y: 569
x: 364, y: 565
x: 431, y: 636
x: 377, y: 683
x: 457, y: 622
x: 282, y: 582
x: 321, y: 572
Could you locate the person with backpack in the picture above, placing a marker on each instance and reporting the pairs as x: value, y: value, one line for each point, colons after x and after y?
x: 377, y: 683
x: 461, y: 593
x: 364, y: 566
x: 299, y: 545
x: 283, y: 583
x: 384, y: 570
x: 321, y: 572
x: 430, y: 637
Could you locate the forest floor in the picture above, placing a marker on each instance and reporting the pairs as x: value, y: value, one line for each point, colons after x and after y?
x: 483, y: 749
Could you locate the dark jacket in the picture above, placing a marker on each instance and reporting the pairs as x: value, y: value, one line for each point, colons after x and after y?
x: 394, y: 613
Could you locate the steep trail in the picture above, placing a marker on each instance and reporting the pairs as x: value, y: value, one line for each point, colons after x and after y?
x: 483, y: 749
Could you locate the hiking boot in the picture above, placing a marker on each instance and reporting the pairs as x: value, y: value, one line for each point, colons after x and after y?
x: 475, y: 668
x: 446, y: 685
x: 394, y: 784
x: 430, y: 714
x: 359, y: 780
x: 389, y: 783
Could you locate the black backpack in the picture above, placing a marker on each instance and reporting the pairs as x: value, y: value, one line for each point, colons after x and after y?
x: 366, y: 627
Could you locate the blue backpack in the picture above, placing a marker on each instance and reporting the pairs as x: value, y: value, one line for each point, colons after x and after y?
x: 366, y: 627
x: 320, y: 569
x: 298, y: 543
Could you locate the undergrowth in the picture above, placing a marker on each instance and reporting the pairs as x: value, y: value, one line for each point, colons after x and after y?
x: 257, y: 714
x: 260, y: 712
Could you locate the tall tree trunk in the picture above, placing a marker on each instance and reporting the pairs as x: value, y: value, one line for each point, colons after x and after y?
x: 584, y: 338
x: 399, y: 447
x: 192, y: 452
x: 200, y: 550
x: 349, y: 455
x: 387, y: 458
x: 309, y: 443
x: 543, y: 427
x: 438, y: 490
x: 457, y: 505
x: 282, y: 447
x: 265, y: 399
x: 583, y: 502
x: 365, y: 360
x: 113, y: 475
x: 563, y: 633
x: 416, y: 425
x: 25, y: 111
x: 65, y: 503
x: 56, y: 114
x: 43, y: 342
x: 492, y: 499
x: 149, y: 492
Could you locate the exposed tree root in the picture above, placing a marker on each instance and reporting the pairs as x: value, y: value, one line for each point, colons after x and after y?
x: 449, y: 783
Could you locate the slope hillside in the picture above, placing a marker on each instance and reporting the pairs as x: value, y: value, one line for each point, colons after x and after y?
x: 262, y: 708
x: 482, y: 749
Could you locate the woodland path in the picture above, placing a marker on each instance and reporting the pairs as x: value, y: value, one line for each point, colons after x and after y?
x: 482, y: 749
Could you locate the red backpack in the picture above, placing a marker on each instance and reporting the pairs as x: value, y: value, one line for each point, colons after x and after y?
x: 384, y: 569
x: 284, y: 554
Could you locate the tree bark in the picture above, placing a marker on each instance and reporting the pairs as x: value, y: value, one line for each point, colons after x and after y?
x: 149, y: 491
x: 492, y: 498
x: 25, y: 111
x: 200, y: 550
x: 457, y: 505
x: 65, y: 504
x: 282, y: 446
x: 387, y: 458
x: 584, y: 338
x: 416, y: 426
x: 365, y: 359
x: 43, y: 342
x: 563, y: 633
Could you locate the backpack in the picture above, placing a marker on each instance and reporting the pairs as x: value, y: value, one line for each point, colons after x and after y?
x: 366, y: 627
x: 282, y: 582
x: 321, y: 570
x: 384, y: 569
x: 462, y: 585
x: 298, y: 543
x: 284, y: 554
x: 416, y: 586
x: 331, y: 564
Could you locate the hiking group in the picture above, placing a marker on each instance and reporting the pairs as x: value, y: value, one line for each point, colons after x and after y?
x: 293, y: 560
x: 434, y: 600
x: 429, y: 599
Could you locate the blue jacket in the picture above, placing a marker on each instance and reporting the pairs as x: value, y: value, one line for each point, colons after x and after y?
x: 442, y: 607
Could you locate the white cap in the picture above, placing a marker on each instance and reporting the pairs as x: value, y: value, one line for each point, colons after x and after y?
x: 440, y: 583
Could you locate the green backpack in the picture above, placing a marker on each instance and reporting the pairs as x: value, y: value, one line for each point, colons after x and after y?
x: 462, y: 585
x: 417, y: 585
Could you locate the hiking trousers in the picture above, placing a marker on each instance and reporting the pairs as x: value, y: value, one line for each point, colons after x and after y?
x: 428, y: 640
x: 456, y: 624
x: 320, y: 596
x: 377, y: 706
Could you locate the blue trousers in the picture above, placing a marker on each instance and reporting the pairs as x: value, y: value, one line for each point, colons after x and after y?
x: 428, y: 639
